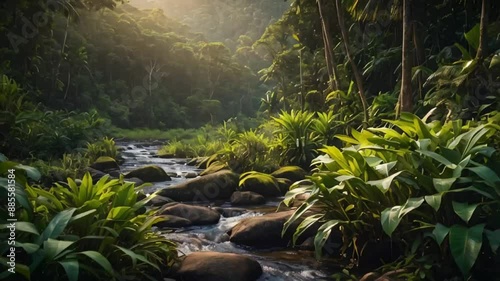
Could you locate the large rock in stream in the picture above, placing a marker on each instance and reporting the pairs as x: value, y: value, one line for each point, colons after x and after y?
x: 213, y: 266
x: 150, y: 173
x: 219, y: 185
x: 196, y: 215
x: 265, y: 231
x: 241, y: 198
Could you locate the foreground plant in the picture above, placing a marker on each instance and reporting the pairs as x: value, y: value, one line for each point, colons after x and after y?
x: 87, y: 231
x: 422, y: 185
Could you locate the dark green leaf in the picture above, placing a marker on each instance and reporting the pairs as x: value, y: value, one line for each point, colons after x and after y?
x: 465, y: 245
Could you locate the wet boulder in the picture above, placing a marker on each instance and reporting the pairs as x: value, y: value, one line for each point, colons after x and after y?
x: 150, y: 173
x: 241, y: 198
x: 265, y: 231
x: 216, y: 186
x: 214, y: 266
x: 293, y: 173
x: 197, y: 215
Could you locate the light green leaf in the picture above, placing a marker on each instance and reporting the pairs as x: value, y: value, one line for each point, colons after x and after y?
x: 443, y: 185
x: 434, y: 200
x: 465, y: 245
x: 390, y: 218
x: 464, y: 210
x: 384, y: 184
x: 386, y: 168
x: 304, y: 225
x: 472, y: 37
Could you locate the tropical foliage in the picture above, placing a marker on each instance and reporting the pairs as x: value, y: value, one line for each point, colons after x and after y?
x: 83, y: 230
x: 419, y: 184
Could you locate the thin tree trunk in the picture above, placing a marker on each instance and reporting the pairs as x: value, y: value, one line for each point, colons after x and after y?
x: 355, y: 70
x: 482, y: 30
x: 63, y: 48
x: 406, y: 95
x: 331, y: 65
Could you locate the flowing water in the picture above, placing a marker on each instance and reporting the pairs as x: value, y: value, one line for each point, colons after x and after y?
x: 278, y: 264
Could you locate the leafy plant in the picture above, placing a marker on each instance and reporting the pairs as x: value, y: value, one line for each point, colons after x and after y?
x: 104, y: 147
x: 67, y: 230
x: 411, y: 183
x: 297, y: 138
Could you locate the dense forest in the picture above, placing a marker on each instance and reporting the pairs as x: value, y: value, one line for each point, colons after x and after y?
x: 374, y: 123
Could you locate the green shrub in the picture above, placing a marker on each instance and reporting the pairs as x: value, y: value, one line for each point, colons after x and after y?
x: 84, y: 231
x: 433, y: 188
x: 104, y: 147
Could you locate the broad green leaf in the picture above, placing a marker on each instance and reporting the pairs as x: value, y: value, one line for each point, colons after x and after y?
x: 24, y: 226
x: 99, y: 259
x: 53, y: 247
x: 440, y: 232
x: 493, y: 238
x: 131, y: 254
x: 119, y: 213
x: 82, y: 215
x: 386, y: 168
x: 465, y: 245
x: 486, y: 174
x: 71, y: 267
x: 464, y: 210
x: 390, y: 218
x: 30, y: 248
x: 304, y: 225
x: 438, y: 158
x: 322, y: 235
x: 56, y: 225
x: 473, y: 37
x: 32, y: 173
x: 465, y: 54
x: 443, y: 185
x: 384, y: 184
x: 434, y: 200
x: 297, y: 214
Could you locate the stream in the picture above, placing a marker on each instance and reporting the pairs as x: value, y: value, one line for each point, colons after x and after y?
x: 278, y: 264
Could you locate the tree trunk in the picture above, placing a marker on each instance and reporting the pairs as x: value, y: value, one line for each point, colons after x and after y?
x: 406, y: 95
x: 482, y: 30
x: 355, y: 70
x: 331, y: 65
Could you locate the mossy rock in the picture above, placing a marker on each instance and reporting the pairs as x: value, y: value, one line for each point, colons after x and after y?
x: 105, y: 163
x: 216, y: 186
x: 214, y: 168
x: 263, y: 184
x: 150, y: 173
x: 293, y: 173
